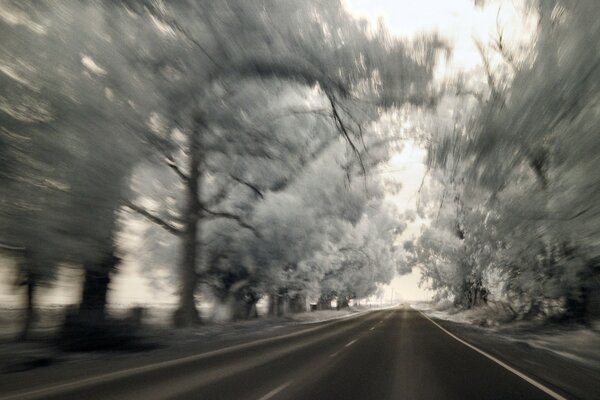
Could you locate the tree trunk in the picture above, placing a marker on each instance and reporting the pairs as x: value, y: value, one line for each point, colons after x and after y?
x: 343, y: 302
x: 576, y: 306
x: 278, y: 303
x: 298, y: 303
x: 245, y: 304
x: 29, y: 308
x: 272, y: 310
x: 472, y: 293
x: 84, y: 326
x: 187, y: 314
x: 324, y: 303
x: 252, y: 311
x: 245, y: 308
x: 92, y: 307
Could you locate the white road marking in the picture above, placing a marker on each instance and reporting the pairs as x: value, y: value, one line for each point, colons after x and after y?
x: 372, y: 328
x: 276, y: 390
x: 334, y: 354
x: 521, y: 375
x: 350, y: 343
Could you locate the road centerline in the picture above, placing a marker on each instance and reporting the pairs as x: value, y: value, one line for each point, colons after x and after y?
x: 276, y: 390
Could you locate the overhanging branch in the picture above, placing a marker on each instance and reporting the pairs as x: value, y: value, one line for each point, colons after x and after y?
x: 170, y: 161
x: 173, y: 165
x: 223, y: 214
x: 340, y: 124
x: 154, y: 219
x: 251, y: 186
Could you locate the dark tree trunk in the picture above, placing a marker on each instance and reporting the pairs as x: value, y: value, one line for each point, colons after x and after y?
x: 92, y: 307
x: 324, y: 303
x: 473, y: 294
x: 252, y: 311
x: 343, y: 302
x: 576, y: 307
x: 272, y: 309
x: 85, y: 327
x: 30, y: 286
x: 245, y: 308
x: 298, y: 303
x: 187, y: 314
x: 278, y: 303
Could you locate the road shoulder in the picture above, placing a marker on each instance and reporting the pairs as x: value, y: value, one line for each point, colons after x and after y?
x: 578, y: 379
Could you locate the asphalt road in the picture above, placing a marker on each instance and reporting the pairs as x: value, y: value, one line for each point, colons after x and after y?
x: 386, y: 354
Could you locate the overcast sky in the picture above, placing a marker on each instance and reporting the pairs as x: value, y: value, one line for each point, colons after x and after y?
x: 457, y: 20
x: 460, y: 22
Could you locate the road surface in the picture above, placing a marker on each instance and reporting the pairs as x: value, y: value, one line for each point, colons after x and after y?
x: 385, y: 354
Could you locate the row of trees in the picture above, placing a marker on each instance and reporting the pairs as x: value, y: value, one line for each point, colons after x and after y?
x: 234, y: 137
x: 513, y: 205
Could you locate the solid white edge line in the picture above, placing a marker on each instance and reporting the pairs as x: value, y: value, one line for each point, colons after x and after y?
x: 52, y: 389
x: 521, y: 375
x: 276, y: 390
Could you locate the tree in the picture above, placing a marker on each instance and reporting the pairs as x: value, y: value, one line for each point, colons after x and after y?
x: 317, y: 45
x: 521, y: 162
x: 70, y: 140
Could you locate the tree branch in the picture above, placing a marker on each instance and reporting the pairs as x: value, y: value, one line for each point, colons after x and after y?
x: 236, y: 218
x: 499, y: 44
x: 252, y: 187
x: 463, y: 92
x: 495, y: 92
x: 153, y: 218
x: 173, y: 165
x: 161, y: 147
x: 345, y: 133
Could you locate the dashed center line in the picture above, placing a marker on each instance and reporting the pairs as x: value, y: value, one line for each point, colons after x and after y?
x: 276, y: 390
x: 350, y: 343
x: 372, y: 328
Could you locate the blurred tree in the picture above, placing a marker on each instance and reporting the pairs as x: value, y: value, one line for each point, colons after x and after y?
x: 522, y: 168
x: 68, y: 121
x: 210, y: 49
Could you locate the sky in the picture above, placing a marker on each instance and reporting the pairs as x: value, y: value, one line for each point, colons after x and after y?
x: 461, y: 23
x: 407, y: 167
